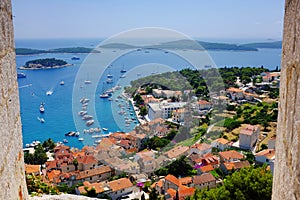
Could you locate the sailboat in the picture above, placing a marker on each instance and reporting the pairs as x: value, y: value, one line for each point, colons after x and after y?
x: 123, y: 70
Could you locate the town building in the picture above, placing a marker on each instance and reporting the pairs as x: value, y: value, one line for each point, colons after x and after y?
x: 248, y: 137
x: 164, y: 109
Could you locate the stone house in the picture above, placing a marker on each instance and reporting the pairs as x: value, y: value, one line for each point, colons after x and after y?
x: 248, y: 137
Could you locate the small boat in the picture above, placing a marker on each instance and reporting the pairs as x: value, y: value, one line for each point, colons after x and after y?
x: 96, y: 136
x: 92, y: 130
x: 123, y: 76
x: 80, y: 139
x: 90, y: 122
x: 42, y: 108
x: 50, y: 92
x: 62, y: 83
x: 87, y: 117
x: 77, y: 134
x: 110, y: 99
x: 104, y: 95
x: 109, y: 75
x: 97, y: 129
x: 123, y: 70
x: 87, y: 82
x: 84, y: 100
x: 75, y: 58
x: 65, y: 141
x: 105, y: 129
x: 82, y: 113
x: 21, y: 75
x: 42, y: 120
x: 71, y: 133
x: 109, y: 80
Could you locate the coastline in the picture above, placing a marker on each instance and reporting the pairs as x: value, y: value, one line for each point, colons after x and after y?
x: 43, y: 67
x: 136, y: 109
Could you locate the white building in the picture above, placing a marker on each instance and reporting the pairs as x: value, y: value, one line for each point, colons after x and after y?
x: 164, y: 109
x: 248, y: 137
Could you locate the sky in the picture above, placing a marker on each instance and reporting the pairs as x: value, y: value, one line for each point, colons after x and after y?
x: 213, y: 19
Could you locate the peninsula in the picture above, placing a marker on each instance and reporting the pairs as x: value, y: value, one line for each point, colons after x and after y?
x: 46, y: 63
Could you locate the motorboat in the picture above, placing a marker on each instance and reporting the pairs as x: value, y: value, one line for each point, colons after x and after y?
x: 50, y: 92
x: 105, y: 129
x: 87, y: 82
x: 21, y: 75
x: 90, y: 122
x: 62, y: 83
x: 109, y: 75
x: 123, y: 76
x: 80, y: 139
x: 109, y: 80
x: 71, y: 133
x: 82, y: 113
x: 104, y: 95
x: 75, y: 58
x: 65, y: 141
x: 77, y: 134
x: 87, y: 117
x: 42, y: 108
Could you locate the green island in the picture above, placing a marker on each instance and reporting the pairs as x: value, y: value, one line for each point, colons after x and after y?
x: 27, y: 51
x: 200, y: 45
x: 46, y: 63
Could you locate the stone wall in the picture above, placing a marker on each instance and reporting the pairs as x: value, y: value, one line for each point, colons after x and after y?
x: 286, y: 182
x: 12, y: 181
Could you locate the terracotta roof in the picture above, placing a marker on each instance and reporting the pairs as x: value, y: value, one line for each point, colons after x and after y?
x: 171, y: 192
x: 201, y: 146
x: 236, y: 165
x: 234, y: 90
x: 172, y: 179
x: 232, y: 154
x: 222, y: 141
x: 176, y: 151
x: 32, y: 169
x: 186, y: 180
x: 125, y: 143
x: 182, y: 193
x: 268, y: 153
x: 119, y: 184
x: 207, y: 168
x: 99, y: 187
x: 52, y: 174
x: 94, y: 172
x: 203, y: 102
x: 87, y: 159
x: 203, y: 178
x: 51, y: 164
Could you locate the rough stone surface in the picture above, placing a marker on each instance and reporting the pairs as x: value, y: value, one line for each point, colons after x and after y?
x: 12, y: 179
x: 286, y: 184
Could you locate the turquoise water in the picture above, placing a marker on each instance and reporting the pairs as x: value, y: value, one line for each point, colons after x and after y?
x: 59, y: 118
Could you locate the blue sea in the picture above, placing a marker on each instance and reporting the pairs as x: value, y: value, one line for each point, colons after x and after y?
x: 62, y: 106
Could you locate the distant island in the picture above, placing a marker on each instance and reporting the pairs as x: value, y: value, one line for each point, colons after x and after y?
x: 46, y: 63
x: 200, y: 45
x: 27, y: 51
x: 179, y: 44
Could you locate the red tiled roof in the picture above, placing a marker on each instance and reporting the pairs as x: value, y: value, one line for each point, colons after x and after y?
x: 185, y: 180
x: 201, y: 146
x: 203, y: 102
x: 87, y: 159
x: 32, y: 168
x: 119, y: 184
x: 182, y: 193
x: 268, y: 153
x: 172, y: 179
x: 207, y: 168
x: 236, y: 165
x: 171, y: 192
x: 234, y: 90
x: 203, y: 178
x: 222, y: 141
x: 232, y: 154
x: 94, y: 172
